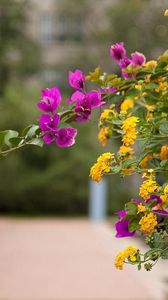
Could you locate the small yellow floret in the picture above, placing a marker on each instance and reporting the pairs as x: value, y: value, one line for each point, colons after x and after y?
x: 138, y: 87
x: 141, y: 208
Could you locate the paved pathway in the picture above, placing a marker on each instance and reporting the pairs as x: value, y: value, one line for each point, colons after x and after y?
x: 68, y: 260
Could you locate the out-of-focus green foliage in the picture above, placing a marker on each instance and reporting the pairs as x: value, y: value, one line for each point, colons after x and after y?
x: 19, y: 55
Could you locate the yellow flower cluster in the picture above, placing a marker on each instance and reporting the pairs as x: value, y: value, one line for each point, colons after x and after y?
x: 166, y: 13
x: 147, y: 188
x: 101, y: 166
x: 126, y: 104
x: 129, y: 128
x: 164, y: 152
x: 128, y: 253
x: 103, y: 135
x: 148, y: 223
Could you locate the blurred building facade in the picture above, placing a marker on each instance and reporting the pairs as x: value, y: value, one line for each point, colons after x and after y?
x: 65, y: 33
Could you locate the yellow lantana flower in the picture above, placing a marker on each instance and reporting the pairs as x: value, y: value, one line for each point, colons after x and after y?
x: 148, y: 223
x: 128, y: 253
x: 129, y: 129
x: 102, y: 166
x: 148, y: 187
x: 126, y: 104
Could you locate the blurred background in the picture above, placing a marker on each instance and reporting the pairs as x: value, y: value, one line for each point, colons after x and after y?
x: 40, y: 41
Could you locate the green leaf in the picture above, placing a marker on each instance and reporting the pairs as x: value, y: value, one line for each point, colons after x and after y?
x: 164, y: 163
x: 163, y: 128
x: 25, y: 130
x: 2, y: 137
x: 154, y: 163
x: 132, y: 93
x: 133, y: 225
x: 37, y: 142
x: 152, y: 254
x: 129, y: 162
x: 158, y: 241
x: 15, y: 141
x: 141, y: 112
x: 10, y: 134
x: 164, y: 254
x: 131, y: 208
x: 115, y: 169
x: 68, y: 116
x: 151, y: 86
x: 30, y: 131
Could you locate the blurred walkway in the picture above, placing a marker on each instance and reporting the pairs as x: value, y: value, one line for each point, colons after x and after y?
x: 70, y: 260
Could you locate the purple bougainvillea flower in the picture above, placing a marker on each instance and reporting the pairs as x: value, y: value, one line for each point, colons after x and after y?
x: 76, y: 79
x: 117, y: 51
x: 124, y: 62
x: 48, y: 123
x: 162, y: 212
x: 138, y: 59
x: 121, y: 213
x: 75, y: 97
x: 51, y: 99
x: 65, y: 137
x: 122, y: 229
x: 154, y: 197
x: 83, y: 110
x: 48, y: 138
x: 95, y: 99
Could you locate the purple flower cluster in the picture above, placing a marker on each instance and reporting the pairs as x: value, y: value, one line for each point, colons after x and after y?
x: 118, y: 52
x: 83, y: 102
x: 49, y: 122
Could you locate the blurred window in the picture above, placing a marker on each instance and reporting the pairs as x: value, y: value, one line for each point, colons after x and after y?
x: 68, y: 28
x: 46, y: 29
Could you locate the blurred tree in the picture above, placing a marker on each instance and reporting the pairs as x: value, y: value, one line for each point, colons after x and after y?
x: 19, y: 55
